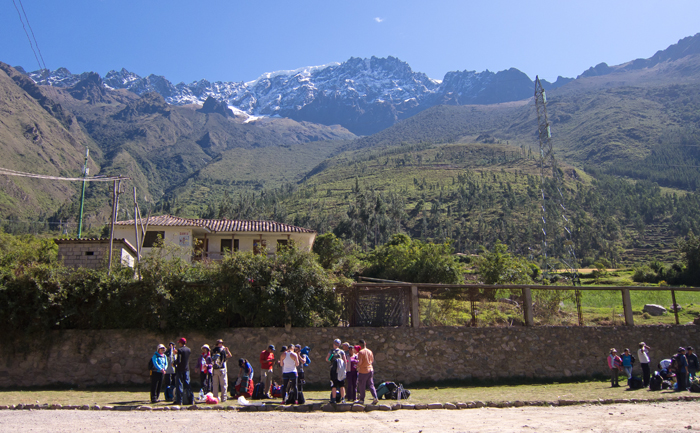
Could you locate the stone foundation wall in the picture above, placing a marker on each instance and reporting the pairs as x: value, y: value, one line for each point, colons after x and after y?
x: 85, y: 358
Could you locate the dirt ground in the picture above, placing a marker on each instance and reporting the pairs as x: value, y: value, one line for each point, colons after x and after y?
x: 658, y: 417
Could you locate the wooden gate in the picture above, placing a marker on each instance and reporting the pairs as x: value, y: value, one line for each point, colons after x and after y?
x: 377, y: 307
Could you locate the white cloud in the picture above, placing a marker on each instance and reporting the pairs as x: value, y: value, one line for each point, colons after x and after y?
x: 379, y: 20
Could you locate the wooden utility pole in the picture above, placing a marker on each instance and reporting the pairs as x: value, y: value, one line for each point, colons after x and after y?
x: 136, y: 230
x: 115, y: 209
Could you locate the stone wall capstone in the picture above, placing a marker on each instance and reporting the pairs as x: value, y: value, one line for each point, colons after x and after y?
x: 87, y: 358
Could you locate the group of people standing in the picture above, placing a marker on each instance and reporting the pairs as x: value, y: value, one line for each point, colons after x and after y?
x: 292, y: 360
x: 171, y: 371
x: 351, y: 370
x: 683, y: 366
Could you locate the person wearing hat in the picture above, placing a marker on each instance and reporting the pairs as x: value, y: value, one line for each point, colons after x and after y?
x: 615, y: 364
x: 337, y: 376
x: 220, y: 376
x: 205, y: 369
x: 643, y: 355
x: 681, y: 369
x: 160, y: 363
x: 182, y: 373
x: 267, y: 364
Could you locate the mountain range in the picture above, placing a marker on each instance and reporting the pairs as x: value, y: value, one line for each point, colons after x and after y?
x: 362, y: 95
x: 187, y: 147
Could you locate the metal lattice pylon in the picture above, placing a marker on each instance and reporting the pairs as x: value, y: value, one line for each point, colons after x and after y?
x: 553, y: 207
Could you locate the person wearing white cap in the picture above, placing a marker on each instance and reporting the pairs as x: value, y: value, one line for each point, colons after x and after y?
x: 158, y: 365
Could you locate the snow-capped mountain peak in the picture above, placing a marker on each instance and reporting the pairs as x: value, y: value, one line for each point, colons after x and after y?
x: 364, y: 95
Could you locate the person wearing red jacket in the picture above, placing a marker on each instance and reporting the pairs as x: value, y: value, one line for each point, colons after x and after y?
x: 615, y: 365
x: 267, y: 363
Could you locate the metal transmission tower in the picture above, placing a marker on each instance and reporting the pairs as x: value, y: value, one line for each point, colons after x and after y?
x: 554, y: 219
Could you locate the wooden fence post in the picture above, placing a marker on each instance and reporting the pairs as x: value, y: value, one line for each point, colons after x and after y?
x: 527, y: 307
x: 415, y: 311
x: 675, y: 308
x: 627, y: 306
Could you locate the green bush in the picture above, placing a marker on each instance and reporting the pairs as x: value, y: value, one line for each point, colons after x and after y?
x: 412, y: 261
x: 242, y: 290
x: 644, y: 274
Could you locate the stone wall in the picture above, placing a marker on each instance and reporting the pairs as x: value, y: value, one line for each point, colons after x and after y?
x: 405, y: 355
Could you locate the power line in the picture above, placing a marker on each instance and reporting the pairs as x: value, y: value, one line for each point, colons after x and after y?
x: 32, y: 30
x: 9, y: 172
x: 26, y: 33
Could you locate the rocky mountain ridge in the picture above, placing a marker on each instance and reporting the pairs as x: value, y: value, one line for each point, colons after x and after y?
x: 363, y: 95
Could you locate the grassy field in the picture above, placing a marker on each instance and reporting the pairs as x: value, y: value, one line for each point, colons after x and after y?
x: 599, y: 307
x: 591, y: 390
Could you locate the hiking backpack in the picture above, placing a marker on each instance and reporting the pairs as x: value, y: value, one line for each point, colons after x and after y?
x: 258, y: 391
x: 635, y: 383
x: 674, y: 364
x: 655, y: 383
x: 218, y: 358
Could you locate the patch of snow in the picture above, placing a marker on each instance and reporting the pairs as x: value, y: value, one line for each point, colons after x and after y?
x: 305, y: 71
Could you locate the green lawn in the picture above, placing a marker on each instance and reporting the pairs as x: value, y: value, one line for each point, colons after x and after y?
x: 592, y: 390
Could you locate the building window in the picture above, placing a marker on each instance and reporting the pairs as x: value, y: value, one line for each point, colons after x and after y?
x: 151, y: 238
x: 282, y: 243
x: 259, y: 244
x: 89, y: 253
x: 226, y: 245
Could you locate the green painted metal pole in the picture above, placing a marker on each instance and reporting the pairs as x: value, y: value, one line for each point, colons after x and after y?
x: 82, y: 195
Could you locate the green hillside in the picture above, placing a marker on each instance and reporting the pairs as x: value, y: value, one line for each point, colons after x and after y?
x: 473, y: 194
x: 160, y: 147
x: 35, y: 135
x: 465, y: 173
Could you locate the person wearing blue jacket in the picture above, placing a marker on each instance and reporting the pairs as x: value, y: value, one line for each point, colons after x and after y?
x: 627, y: 363
x: 305, y: 352
x: 160, y: 363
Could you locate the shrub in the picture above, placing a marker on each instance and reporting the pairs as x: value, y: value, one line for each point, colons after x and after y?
x: 413, y: 261
x: 644, y: 274
x: 243, y: 290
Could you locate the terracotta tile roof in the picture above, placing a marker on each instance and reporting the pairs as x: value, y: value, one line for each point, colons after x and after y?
x: 95, y: 240
x: 222, y: 225
x: 164, y: 220
x: 251, y: 226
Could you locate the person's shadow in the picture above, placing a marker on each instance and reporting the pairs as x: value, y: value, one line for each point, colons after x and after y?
x: 132, y: 402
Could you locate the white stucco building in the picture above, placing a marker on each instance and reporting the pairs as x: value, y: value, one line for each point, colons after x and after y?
x: 210, y: 238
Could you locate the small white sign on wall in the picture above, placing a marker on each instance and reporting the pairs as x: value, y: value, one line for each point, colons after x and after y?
x: 184, y: 239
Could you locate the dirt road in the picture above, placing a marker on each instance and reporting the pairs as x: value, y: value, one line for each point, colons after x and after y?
x: 659, y: 417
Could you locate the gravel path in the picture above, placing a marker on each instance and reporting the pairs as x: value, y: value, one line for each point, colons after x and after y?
x: 656, y: 417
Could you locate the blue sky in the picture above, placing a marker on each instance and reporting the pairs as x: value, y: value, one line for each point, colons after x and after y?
x: 237, y: 41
